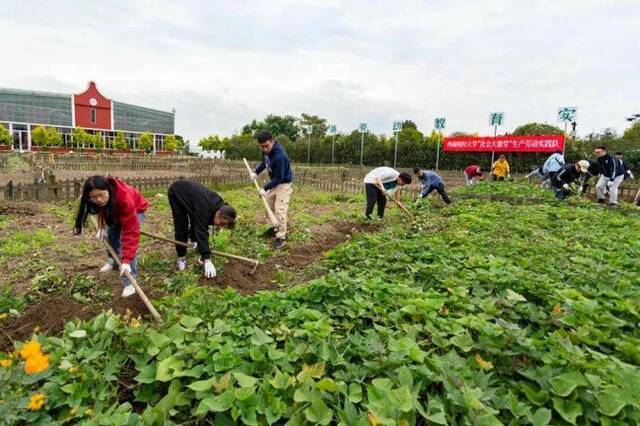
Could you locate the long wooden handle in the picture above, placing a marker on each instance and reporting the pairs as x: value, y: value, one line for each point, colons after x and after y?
x: 217, y: 253
x: 132, y: 280
x: 272, y: 217
x: 402, y: 207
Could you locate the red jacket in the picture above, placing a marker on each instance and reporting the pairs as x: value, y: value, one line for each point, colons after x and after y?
x: 128, y: 203
x: 472, y: 171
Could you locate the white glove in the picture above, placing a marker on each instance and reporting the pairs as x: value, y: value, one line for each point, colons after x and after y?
x: 263, y: 192
x: 631, y: 176
x: 181, y: 264
x: 195, y: 245
x: 125, y: 267
x: 609, y: 184
x: 254, y: 176
x: 209, y: 269
x: 101, y: 234
x: 566, y: 186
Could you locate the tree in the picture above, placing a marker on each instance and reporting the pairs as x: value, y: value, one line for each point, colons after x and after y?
x: 120, y: 142
x: 406, y: 124
x: 53, y: 137
x: 5, y: 136
x: 319, y: 125
x: 98, y: 140
x: 81, y: 137
x: 214, y: 143
x: 39, y: 136
x: 277, y: 125
x: 632, y: 134
x: 146, y: 141
x: 171, y: 143
x: 532, y: 129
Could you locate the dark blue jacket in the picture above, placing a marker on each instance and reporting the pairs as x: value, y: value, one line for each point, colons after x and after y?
x: 278, y: 166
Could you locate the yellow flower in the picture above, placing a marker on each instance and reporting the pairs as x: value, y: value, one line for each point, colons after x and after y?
x: 6, y: 363
x: 30, y: 349
x: 88, y: 412
x: 74, y: 369
x: 3, y: 315
x: 74, y: 411
x: 36, y: 401
x: 134, y: 322
x: 485, y: 365
x: 36, y: 364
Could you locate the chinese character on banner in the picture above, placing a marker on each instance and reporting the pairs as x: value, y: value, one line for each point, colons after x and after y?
x: 439, y: 123
x: 397, y: 126
x: 496, y: 118
x: 363, y: 127
x: 333, y: 129
x: 567, y: 114
x: 308, y: 128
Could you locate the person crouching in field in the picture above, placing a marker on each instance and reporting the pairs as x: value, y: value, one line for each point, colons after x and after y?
x: 431, y: 181
x: 567, y: 174
x: 379, y: 183
x: 120, y: 209
x: 194, y: 208
x: 472, y: 173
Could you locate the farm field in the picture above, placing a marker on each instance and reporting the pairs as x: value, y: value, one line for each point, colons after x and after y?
x: 479, y: 313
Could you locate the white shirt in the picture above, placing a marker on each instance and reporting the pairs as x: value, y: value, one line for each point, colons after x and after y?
x: 386, y: 175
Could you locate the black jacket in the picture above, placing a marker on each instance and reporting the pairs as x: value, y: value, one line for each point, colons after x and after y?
x: 621, y: 169
x: 567, y: 174
x: 607, y: 166
x: 278, y: 166
x: 199, y: 204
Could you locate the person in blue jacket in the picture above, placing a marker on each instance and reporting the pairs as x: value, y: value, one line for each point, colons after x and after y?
x: 277, y: 191
x: 431, y: 181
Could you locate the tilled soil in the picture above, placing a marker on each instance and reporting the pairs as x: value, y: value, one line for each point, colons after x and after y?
x: 51, y: 313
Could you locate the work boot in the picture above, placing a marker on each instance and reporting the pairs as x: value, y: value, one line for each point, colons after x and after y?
x: 182, y: 264
x: 278, y: 243
x: 108, y: 266
x: 269, y: 233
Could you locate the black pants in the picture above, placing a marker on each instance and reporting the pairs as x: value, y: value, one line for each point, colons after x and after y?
x: 495, y: 177
x: 180, y: 224
x: 443, y: 193
x: 374, y: 195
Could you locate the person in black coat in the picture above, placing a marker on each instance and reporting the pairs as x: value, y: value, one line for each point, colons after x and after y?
x: 195, y: 208
x: 566, y: 176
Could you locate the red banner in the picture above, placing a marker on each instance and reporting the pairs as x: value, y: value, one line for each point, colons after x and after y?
x: 544, y: 143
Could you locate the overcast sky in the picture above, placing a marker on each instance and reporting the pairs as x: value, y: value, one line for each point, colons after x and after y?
x: 222, y: 63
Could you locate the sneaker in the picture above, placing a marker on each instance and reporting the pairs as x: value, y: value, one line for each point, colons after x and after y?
x: 278, y: 243
x: 269, y: 233
x: 108, y: 266
x: 182, y: 263
x: 128, y: 290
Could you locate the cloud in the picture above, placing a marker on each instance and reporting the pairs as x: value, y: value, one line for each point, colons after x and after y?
x: 221, y: 64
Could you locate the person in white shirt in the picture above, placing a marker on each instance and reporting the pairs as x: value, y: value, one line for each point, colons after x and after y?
x: 379, y: 183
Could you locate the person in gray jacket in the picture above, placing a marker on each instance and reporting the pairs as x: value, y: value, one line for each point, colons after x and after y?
x: 431, y: 181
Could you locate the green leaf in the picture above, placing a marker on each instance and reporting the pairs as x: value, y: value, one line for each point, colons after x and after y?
x: 318, y: 412
x: 189, y: 322
x: 569, y: 410
x: 244, y: 393
x: 159, y: 340
x: 542, y: 417
x: 516, y: 297
x: 355, y: 393
x: 147, y: 374
x: 78, y: 334
x: 611, y: 400
x: 244, y: 380
x: 564, y: 384
x: 169, y: 368
x: 281, y: 380
x: 538, y: 397
x: 402, y: 399
x: 259, y: 337
x: 216, y: 403
x: 202, y: 385
x: 463, y: 341
x: 327, y: 385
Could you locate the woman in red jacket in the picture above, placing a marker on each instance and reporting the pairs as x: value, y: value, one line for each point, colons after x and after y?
x: 120, y: 208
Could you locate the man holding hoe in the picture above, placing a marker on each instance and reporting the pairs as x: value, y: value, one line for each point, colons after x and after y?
x: 195, y: 208
x: 277, y: 191
x: 379, y: 183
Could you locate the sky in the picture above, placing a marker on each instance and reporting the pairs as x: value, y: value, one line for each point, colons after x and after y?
x: 221, y: 64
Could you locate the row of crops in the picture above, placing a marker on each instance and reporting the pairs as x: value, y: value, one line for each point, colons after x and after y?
x: 479, y: 313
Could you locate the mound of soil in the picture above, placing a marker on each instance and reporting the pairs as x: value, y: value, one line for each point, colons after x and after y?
x: 49, y: 315
x: 291, y: 261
